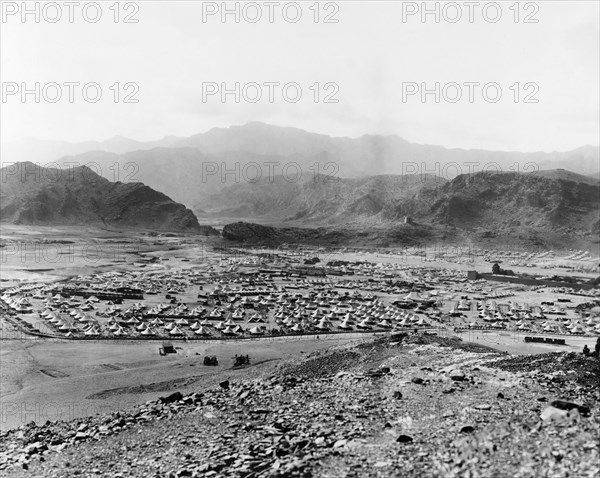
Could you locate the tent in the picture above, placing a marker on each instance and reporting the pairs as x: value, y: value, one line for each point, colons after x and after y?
x: 227, y: 331
x: 176, y: 331
x: 413, y: 296
x: 201, y: 331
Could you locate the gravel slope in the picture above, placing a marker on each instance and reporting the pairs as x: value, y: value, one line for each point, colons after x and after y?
x: 411, y: 406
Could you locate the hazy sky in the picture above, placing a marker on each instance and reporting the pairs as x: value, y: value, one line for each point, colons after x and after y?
x: 370, y: 55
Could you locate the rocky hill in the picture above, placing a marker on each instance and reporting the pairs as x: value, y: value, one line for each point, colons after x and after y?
x: 552, y: 208
x: 329, y: 200
x: 546, y: 200
x: 355, y: 235
x: 32, y: 195
x: 404, y: 405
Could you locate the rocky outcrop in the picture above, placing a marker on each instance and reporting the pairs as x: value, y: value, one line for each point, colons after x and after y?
x: 546, y: 200
x: 32, y: 195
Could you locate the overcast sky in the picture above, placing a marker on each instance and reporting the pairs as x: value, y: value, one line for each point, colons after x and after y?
x: 369, y: 54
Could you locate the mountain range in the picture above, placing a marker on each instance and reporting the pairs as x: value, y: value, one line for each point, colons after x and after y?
x: 376, y: 182
x: 367, y: 154
x: 192, y: 170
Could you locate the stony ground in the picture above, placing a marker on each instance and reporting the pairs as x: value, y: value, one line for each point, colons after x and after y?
x: 413, y: 406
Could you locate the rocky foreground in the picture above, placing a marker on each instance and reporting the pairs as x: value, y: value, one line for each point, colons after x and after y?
x: 414, y: 406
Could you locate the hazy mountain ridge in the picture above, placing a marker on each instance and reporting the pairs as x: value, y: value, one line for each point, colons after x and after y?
x: 379, y: 154
x: 32, y: 195
x: 187, y: 174
x: 367, y: 154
